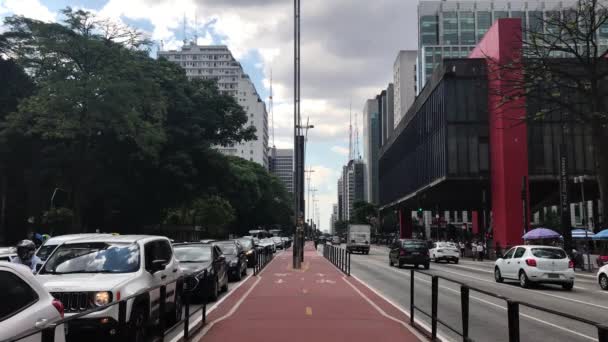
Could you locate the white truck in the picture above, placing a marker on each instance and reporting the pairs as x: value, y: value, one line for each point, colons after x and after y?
x: 358, y: 238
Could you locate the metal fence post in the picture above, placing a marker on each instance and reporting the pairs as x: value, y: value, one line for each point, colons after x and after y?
x: 122, y: 320
x: 187, y: 314
x: 412, y: 308
x: 435, y: 298
x: 464, y: 304
x: 349, y: 255
x: 602, y: 333
x: 48, y: 334
x: 162, y: 308
x: 204, y: 313
x: 513, y: 317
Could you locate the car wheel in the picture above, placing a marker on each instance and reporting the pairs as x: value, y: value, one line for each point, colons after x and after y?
x: 456, y: 261
x: 604, y: 282
x: 178, y: 309
x: 238, y: 276
x: 137, y: 325
x: 435, y: 259
x: 523, y: 280
x: 244, y: 273
x: 497, y: 275
x: 568, y: 286
x: 427, y: 266
x: 399, y: 264
x: 225, y: 286
x: 215, y: 291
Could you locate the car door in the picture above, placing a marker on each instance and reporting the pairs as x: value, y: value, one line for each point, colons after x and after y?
x: 171, y: 271
x: 505, y: 264
x: 219, y: 265
x: 518, y: 261
x: 155, y: 278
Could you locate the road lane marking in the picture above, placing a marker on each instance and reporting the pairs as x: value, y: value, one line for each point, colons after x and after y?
x: 536, y: 292
x: 495, y: 305
x: 304, y: 291
x: 308, y: 311
x: 381, y: 312
x: 230, y: 313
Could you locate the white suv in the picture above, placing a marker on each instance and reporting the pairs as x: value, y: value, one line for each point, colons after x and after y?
x: 90, y: 272
x: 536, y: 264
x: 444, y: 251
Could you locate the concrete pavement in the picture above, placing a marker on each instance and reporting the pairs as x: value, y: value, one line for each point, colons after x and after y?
x: 488, y: 316
x: 316, y: 303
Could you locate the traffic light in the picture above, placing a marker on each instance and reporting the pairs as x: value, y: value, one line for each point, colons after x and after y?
x: 419, y: 210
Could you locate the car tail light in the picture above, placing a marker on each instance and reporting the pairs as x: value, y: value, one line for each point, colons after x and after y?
x: 59, y: 306
x: 117, y: 295
x: 531, y: 262
x: 570, y: 264
x: 402, y: 252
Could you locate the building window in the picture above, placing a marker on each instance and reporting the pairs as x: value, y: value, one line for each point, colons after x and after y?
x: 450, y: 28
x: 484, y: 21
x: 467, y: 28
x: 429, y: 30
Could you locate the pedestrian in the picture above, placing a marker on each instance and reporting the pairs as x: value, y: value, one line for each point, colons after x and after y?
x: 461, y: 245
x: 474, y: 251
x: 481, y: 249
x: 26, y: 255
x: 316, y: 242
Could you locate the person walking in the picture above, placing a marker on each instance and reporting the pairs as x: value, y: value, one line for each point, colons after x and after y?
x: 474, y: 251
x: 481, y: 249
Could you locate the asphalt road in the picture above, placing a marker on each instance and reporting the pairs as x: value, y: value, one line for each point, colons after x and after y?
x: 488, y: 315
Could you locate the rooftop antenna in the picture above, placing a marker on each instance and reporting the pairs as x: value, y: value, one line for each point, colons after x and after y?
x: 271, y: 105
x: 356, y: 153
x: 184, y: 29
x: 350, y: 133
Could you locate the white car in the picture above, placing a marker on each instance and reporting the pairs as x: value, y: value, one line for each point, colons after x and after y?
x: 7, y: 253
x: 90, y: 272
x: 602, y: 277
x: 444, y: 251
x: 535, y: 264
x: 26, y: 304
x: 279, y: 243
x: 49, y: 246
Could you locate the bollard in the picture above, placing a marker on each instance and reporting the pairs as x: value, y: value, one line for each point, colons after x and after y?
x: 513, y: 318
x: 204, y: 313
x: 122, y: 321
x: 602, y: 333
x: 434, y: 296
x: 412, y: 308
x: 162, y: 308
x: 464, y: 305
x: 349, y: 263
x: 187, y: 318
x: 48, y: 334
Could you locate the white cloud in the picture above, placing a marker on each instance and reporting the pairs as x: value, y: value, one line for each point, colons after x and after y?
x: 340, y: 150
x: 30, y: 8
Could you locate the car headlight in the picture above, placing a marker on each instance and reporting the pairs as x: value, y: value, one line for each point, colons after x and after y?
x: 249, y: 252
x: 102, y: 298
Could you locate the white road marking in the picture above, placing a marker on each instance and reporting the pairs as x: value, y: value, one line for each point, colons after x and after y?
x: 496, y: 305
x: 279, y: 281
x: 325, y: 281
x: 380, y: 311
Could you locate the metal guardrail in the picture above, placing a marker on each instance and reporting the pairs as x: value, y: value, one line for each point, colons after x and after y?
x: 340, y: 257
x: 512, y: 310
x: 263, y: 257
x: 48, y: 333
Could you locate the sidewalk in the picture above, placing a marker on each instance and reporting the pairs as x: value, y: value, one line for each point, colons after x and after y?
x: 316, y: 303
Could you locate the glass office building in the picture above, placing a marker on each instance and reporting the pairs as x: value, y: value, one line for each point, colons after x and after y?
x: 451, y: 29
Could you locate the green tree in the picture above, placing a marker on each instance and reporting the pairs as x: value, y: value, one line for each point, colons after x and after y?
x: 340, y: 228
x: 365, y: 213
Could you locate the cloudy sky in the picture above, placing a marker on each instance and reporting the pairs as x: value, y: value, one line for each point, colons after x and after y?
x: 348, y: 49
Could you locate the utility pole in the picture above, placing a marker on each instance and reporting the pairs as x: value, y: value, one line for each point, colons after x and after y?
x: 298, y: 146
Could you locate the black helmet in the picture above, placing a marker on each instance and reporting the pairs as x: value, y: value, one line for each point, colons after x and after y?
x: 26, y: 250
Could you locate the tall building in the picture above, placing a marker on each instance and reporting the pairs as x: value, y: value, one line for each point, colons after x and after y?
x: 371, y: 148
x: 333, y: 219
x: 216, y: 62
x: 387, y: 113
x: 351, y: 187
x: 451, y: 29
x: 404, y: 80
x: 281, y: 165
x: 341, y: 216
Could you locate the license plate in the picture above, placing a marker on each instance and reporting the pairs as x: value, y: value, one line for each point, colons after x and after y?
x: 553, y: 275
x: 415, y: 253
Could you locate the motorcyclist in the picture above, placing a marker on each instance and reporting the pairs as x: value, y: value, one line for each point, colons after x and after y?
x: 26, y: 255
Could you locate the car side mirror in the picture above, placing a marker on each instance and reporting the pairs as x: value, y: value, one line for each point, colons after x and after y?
x: 158, y: 265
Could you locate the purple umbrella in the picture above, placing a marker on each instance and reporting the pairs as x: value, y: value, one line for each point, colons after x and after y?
x: 541, y: 233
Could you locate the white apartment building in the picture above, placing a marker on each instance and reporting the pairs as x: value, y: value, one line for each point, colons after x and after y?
x: 404, y: 81
x: 216, y: 62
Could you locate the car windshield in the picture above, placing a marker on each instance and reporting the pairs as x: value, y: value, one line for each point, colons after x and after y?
x: 228, y: 249
x: 549, y: 253
x: 97, y: 257
x: 45, y: 251
x: 414, y: 244
x: 192, y: 253
x: 246, y: 243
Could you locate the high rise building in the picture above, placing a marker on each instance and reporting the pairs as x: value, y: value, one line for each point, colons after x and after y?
x: 352, y: 187
x: 371, y: 148
x: 451, y: 29
x: 404, y: 80
x: 341, y: 216
x: 281, y: 165
x: 333, y: 219
x: 388, y: 114
x: 216, y: 62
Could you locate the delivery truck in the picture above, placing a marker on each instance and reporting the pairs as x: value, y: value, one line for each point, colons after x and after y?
x: 358, y: 237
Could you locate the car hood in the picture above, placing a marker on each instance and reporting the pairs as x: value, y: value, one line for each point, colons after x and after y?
x: 194, y: 267
x: 230, y: 258
x: 80, y: 282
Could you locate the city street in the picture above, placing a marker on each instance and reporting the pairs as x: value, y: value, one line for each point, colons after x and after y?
x: 488, y: 316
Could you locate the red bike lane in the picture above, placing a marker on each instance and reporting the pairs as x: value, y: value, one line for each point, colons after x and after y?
x: 315, y: 303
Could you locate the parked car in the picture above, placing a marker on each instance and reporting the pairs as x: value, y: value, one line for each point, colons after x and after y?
x: 249, y: 249
x: 278, y: 242
x: 235, y: 258
x: 286, y: 242
x: 7, y: 253
x: 49, y: 246
x: 335, y: 240
x: 535, y: 264
x: 26, y: 304
x: 90, y: 272
x: 444, y: 251
x: 208, y: 241
x: 269, y: 244
x: 602, y: 277
x: 409, y: 251
x: 206, y: 266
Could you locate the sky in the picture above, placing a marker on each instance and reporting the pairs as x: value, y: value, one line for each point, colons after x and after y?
x: 348, y: 49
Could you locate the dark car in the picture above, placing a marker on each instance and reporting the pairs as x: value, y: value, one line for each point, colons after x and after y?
x: 235, y: 258
x: 411, y: 252
x: 207, y: 266
x: 249, y: 249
